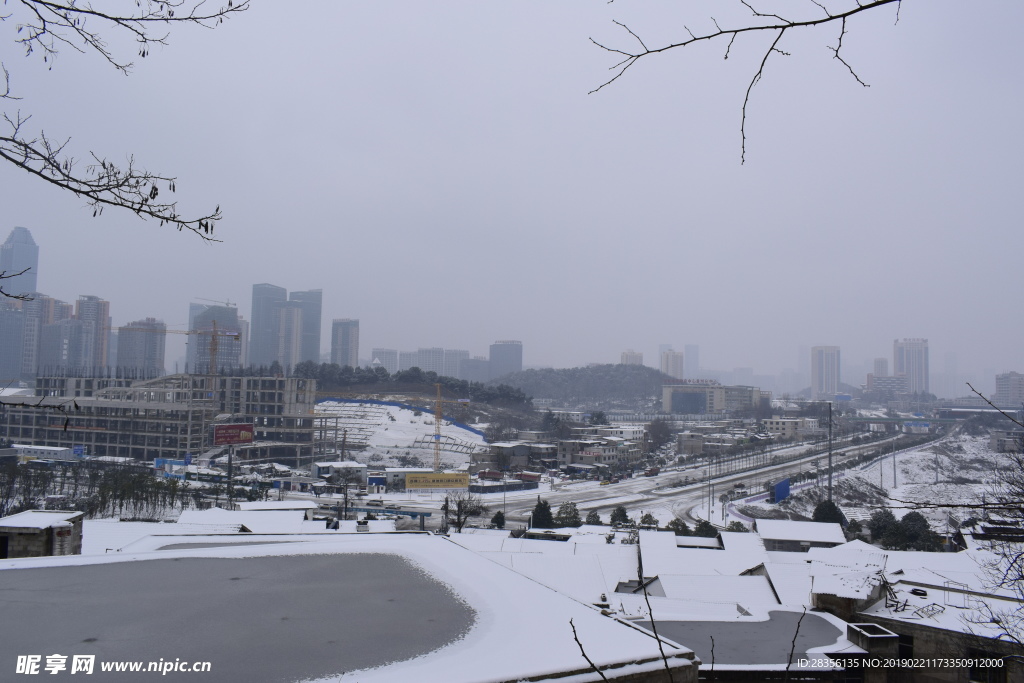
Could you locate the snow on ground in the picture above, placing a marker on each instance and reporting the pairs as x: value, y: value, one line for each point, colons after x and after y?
x: 392, y: 436
x: 959, y: 469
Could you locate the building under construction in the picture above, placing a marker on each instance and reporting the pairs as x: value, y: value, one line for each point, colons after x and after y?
x: 167, y: 417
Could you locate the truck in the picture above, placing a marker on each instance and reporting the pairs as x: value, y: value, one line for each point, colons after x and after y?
x: 652, y: 471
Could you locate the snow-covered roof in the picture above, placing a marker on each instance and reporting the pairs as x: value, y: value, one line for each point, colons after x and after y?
x: 789, y: 530
x: 256, y: 521
x: 38, y: 519
x: 342, y: 464
x: 378, y: 640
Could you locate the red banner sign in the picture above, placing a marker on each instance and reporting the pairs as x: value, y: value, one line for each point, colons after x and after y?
x: 226, y: 435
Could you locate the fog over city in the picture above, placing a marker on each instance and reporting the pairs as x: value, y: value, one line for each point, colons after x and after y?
x: 440, y: 171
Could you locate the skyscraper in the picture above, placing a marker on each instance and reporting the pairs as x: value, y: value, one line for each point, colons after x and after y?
x: 289, y: 335
x: 453, y: 362
x: 691, y: 361
x: 824, y: 372
x: 265, y: 324
x: 311, y: 303
x: 12, y: 333
x: 94, y: 312
x: 216, y: 326
x: 506, y: 357
x: 673, y: 364
x: 141, y: 346
x: 345, y: 345
x: 910, y: 360
x: 431, y: 359
x: 19, y: 253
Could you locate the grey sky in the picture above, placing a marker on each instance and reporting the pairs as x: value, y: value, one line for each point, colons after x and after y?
x: 440, y: 171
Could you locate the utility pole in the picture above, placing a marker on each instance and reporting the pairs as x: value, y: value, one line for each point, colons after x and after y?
x: 830, y: 451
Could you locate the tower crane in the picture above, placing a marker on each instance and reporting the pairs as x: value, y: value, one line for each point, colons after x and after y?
x: 438, y: 417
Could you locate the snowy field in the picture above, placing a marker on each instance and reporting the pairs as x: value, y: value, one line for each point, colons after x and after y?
x: 391, y: 436
x: 957, y: 470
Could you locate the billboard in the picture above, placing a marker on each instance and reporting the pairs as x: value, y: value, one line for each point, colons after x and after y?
x: 437, y: 480
x: 226, y: 435
x: 780, y: 491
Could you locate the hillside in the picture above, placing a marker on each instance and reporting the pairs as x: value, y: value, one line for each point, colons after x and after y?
x: 629, y: 387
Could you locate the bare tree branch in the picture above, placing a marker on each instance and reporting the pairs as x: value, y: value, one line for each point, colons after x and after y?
x: 584, y: 652
x: 8, y: 295
x: 47, y: 26
x: 762, y: 22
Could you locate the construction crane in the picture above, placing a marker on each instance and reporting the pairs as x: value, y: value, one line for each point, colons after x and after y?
x: 438, y: 417
x: 214, y: 301
x: 214, y: 333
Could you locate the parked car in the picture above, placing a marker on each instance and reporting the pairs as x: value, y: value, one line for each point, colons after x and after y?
x: 376, y: 502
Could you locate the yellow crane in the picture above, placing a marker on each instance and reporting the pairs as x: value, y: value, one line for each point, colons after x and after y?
x: 214, y: 333
x: 438, y: 417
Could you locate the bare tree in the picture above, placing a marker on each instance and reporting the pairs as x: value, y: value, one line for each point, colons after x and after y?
x: 45, y: 27
x: 459, y: 506
x: 806, y: 16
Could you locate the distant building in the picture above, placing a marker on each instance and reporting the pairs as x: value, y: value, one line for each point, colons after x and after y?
x: 141, y: 346
x: 388, y: 358
x: 18, y: 253
x: 452, y: 362
x: 345, y: 346
x: 672, y: 364
x: 431, y: 359
x: 289, y: 335
x: 12, y: 334
x: 476, y: 369
x: 267, y: 300
x: 910, y: 359
x: 698, y: 397
x: 824, y: 372
x: 407, y: 360
x: 1009, y: 390
x: 311, y: 304
x: 506, y: 357
x: 881, y: 367
x: 94, y: 313
x: 631, y: 357
x: 217, y: 328
x: 691, y: 361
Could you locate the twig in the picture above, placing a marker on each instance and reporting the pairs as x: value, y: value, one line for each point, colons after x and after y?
x: 792, y: 648
x: 647, y: 599
x: 1001, y: 411
x: 584, y: 652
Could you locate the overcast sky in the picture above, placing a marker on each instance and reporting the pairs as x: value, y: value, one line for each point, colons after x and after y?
x: 441, y: 172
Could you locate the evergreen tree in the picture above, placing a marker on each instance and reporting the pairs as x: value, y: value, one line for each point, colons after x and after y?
x: 542, y: 518
x: 498, y: 520
x: 593, y: 518
x: 568, y: 515
x: 598, y: 418
x: 737, y: 527
x: 829, y: 512
x: 619, y: 516
x: 648, y: 520
x: 680, y: 527
x: 880, y: 524
x: 705, y: 529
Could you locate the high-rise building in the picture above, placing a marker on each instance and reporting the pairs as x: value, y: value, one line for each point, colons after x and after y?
x: 141, y: 346
x: 12, y: 334
x: 216, y: 327
x: 431, y: 360
x: 289, y: 335
x: 691, y: 361
x: 95, y: 312
x: 1009, y: 390
x: 69, y: 344
x: 345, y: 346
x: 506, y: 357
x: 476, y: 369
x: 881, y: 367
x: 910, y: 359
x: 265, y: 324
x: 39, y: 311
x: 453, y: 361
x: 632, y: 357
x: 407, y: 360
x: 388, y: 359
x: 673, y: 364
x: 19, y: 262
x: 311, y: 303
x: 824, y: 372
